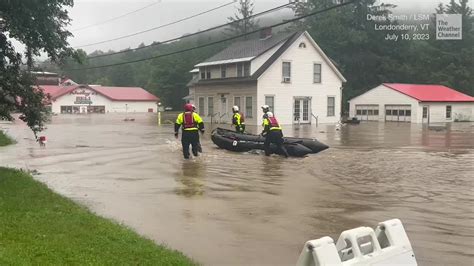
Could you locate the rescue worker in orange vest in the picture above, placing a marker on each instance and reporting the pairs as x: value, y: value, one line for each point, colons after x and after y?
x: 273, y: 133
x: 191, y: 123
x: 199, y: 142
x: 238, y: 120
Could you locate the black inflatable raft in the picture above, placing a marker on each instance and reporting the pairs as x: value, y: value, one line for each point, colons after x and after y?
x: 233, y: 141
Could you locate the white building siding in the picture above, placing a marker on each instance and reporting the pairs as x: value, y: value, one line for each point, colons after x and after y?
x: 132, y: 106
x: 437, y: 112
x: 261, y: 59
x: 231, y: 71
x: 215, y: 71
x: 229, y: 92
x: 463, y: 111
x: 302, y: 60
x: 110, y: 106
x: 383, y: 96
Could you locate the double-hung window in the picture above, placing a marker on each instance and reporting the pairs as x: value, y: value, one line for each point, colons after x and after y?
x: 332, y: 107
x: 286, y: 72
x: 248, y: 107
x: 317, y: 73
x: 210, y: 106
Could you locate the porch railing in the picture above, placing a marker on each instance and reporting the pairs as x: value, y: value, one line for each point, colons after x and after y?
x: 213, y: 118
x: 315, y: 118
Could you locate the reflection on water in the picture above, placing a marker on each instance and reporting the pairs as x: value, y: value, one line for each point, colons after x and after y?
x: 245, y: 208
x: 192, y: 178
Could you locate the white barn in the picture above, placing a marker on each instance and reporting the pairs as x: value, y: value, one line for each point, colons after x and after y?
x: 289, y: 72
x: 415, y: 103
x: 99, y: 99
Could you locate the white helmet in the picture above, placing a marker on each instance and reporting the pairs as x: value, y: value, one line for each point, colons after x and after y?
x: 194, y: 107
x: 265, y: 108
x: 269, y: 114
x: 235, y: 108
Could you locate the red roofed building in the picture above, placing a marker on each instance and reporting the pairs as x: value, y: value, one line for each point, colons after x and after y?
x: 417, y: 103
x: 99, y: 99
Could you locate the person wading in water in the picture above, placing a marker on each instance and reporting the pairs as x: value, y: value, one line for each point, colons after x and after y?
x: 190, y: 122
x: 273, y: 133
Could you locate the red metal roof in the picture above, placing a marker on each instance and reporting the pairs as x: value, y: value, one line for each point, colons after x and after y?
x: 430, y: 93
x: 125, y: 93
x: 56, y: 91
x: 113, y: 93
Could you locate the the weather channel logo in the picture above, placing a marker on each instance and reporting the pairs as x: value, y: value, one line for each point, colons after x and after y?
x: 448, y: 27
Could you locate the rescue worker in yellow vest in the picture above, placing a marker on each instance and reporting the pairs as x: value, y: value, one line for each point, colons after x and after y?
x: 191, y: 123
x: 238, y: 120
x: 273, y: 134
x: 199, y: 142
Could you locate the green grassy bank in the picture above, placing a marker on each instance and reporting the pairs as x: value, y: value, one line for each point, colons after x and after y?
x: 4, y: 139
x: 40, y: 227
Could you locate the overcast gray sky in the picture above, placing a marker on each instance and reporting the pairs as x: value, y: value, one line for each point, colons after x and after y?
x: 91, y: 12
x: 88, y: 12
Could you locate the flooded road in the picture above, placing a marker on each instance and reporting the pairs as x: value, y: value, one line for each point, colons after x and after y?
x: 228, y: 208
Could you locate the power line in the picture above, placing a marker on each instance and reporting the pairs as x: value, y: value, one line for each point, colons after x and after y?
x: 158, y: 27
x: 192, y: 34
x: 115, y: 18
x: 220, y: 41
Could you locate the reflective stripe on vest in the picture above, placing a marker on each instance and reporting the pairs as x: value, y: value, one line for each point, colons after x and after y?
x: 188, y: 121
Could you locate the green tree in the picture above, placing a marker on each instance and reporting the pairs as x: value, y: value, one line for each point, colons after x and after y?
x: 242, y: 21
x: 39, y: 26
x: 450, y: 62
x: 360, y: 51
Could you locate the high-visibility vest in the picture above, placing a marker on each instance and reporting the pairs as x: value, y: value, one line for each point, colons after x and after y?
x: 189, y: 120
x: 272, y: 122
x: 238, y: 119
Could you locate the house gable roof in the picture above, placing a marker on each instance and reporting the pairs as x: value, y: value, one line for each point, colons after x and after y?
x: 430, y: 93
x: 246, y: 50
x: 287, y: 42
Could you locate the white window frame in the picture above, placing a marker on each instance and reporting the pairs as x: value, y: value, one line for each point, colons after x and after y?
x: 246, y: 73
x: 283, y: 78
x: 240, y: 102
x: 450, y: 112
x: 251, y: 106
x: 320, y: 72
x: 208, y: 101
x: 203, y: 105
x: 327, y: 106
x: 202, y: 73
x: 240, y: 66
x: 272, y: 108
x: 223, y: 71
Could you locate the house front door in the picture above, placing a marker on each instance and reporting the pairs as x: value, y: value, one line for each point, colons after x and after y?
x: 223, y: 110
x: 426, y: 114
x: 302, y: 111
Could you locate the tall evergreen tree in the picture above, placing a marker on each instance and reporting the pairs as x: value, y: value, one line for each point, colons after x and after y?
x: 244, y: 13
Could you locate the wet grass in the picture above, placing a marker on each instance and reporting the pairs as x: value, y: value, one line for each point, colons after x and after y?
x: 40, y: 227
x: 5, y: 140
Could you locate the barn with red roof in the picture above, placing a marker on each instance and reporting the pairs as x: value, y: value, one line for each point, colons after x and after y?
x: 98, y: 99
x: 416, y: 103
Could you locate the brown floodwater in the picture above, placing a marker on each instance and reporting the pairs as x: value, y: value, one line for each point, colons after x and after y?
x: 227, y: 208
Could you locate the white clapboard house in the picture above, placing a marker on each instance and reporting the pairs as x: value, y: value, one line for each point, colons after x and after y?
x: 287, y: 71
